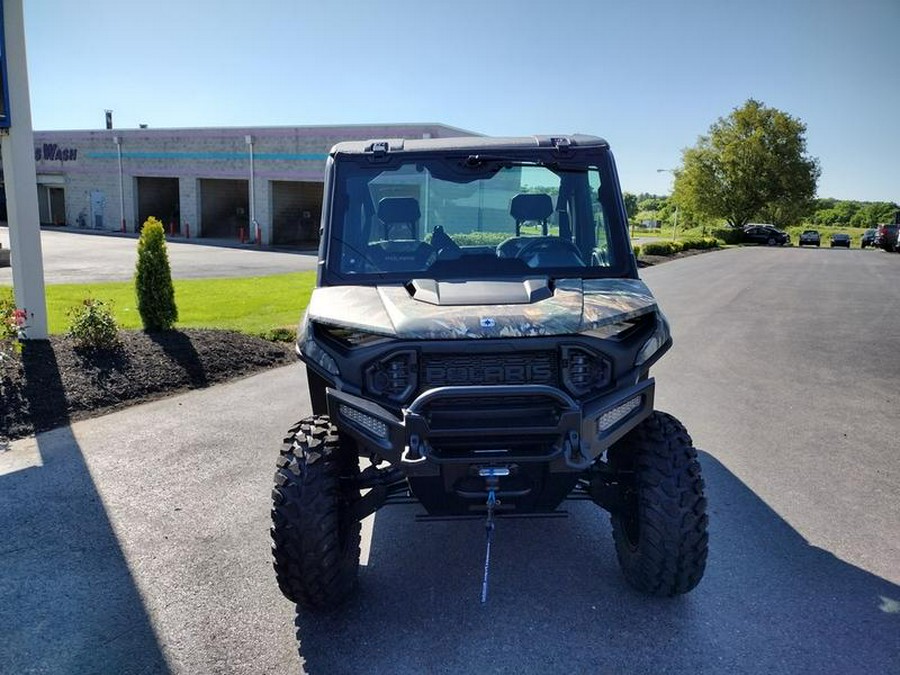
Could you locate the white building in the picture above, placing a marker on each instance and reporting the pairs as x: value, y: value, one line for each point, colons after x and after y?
x: 197, y: 181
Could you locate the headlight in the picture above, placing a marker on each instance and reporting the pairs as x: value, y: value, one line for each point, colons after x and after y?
x: 659, y: 338
x: 393, y: 376
x: 302, y: 330
x: 351, y: 337
x: 307, y: 347
x: 583, y: 370
x: 319, y: 356
x: 618, y: 330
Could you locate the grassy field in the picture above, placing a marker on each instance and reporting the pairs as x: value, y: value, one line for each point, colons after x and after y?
x: 251, y: 305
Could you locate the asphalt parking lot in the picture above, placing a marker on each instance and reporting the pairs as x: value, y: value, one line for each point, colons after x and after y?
x: 84, y: 256
x: 137, y: 542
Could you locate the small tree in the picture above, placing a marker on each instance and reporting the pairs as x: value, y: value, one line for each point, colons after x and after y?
x: 153, y: 279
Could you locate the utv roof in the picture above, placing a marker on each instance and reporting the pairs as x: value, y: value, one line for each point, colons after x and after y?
x: 467, y: 144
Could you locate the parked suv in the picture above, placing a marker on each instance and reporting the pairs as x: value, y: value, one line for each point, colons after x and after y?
x: 868, y: 238
x: 810, y: 238
x: 765, y: 234
x: 479, y: 336
x: 886, y: 237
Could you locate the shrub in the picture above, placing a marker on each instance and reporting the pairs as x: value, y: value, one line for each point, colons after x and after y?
x: 662, y: 248
x: 728, y: 235
x: 9, y: 328
x: 637, y: 251
x: 480, y: 238
x: 280, y: 334
x: 12, y: 324
x: 153, y: 279
x: 92, y: 325
x: 699, y: 243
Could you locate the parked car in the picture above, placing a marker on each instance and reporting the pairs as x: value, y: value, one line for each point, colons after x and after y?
x: 868, y: 238
x: 765, y: 234
x: 810, y: 238
x: 840, y: 239
x: 886, y: 237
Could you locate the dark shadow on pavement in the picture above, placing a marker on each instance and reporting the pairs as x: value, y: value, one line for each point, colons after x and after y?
x: 770, y: 602
x: 68, y: 601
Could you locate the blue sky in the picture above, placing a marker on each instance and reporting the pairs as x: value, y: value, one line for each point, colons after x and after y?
x: 648, y: 76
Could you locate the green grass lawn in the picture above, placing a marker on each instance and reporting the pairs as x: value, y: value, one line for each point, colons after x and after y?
x: 249, y: 305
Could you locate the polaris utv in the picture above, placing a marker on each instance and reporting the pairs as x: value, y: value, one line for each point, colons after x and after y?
x: 480, y: 339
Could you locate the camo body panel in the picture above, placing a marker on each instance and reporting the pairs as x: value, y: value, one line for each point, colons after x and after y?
x: 575, y: 306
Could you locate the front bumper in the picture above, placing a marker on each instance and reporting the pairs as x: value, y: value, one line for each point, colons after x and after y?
x: 492, y: 424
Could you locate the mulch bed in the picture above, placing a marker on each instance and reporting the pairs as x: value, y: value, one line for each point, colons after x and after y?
x: 651, y: 260
x: 53, y: 382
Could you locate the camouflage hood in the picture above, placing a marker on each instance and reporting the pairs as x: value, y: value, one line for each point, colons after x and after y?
x: 575, y: 305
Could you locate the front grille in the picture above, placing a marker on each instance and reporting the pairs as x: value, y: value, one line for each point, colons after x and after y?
x: 447, y: 370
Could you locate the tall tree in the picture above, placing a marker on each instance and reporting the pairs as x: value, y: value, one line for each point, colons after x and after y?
x: 631, y: 204
x: 751, y: 163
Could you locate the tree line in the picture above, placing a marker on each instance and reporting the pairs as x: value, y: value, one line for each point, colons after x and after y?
x: 825, y: 212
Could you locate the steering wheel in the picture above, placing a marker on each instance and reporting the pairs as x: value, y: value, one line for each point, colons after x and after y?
x: 509, y: 248
x: 549, y: 244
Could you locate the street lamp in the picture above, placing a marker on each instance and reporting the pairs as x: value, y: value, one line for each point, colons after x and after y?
x: 675, y: 226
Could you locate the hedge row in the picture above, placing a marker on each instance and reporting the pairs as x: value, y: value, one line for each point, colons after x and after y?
x: 700, y: 243
x: 673, y: 247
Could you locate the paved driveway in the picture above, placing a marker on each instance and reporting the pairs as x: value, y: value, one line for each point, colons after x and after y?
x: 82, y: 256
x: 137, y: 542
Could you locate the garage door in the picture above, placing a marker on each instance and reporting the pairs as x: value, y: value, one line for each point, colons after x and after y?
x: 224, y: 207
x: 296, y: 210
x: 158, y: 197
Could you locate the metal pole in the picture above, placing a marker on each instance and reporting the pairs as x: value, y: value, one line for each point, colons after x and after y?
x: 674, y: 176
x: 253, y: 228
x: 21, y: 181
x: 118, y: 141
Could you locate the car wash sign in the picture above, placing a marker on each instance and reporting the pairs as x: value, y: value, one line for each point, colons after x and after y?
x: 4, y: 97
x: 51, y: 152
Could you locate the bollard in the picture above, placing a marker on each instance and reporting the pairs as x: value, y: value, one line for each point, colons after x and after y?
x: 187, y: 230
x: 241, y: 235
x: 258, y: 235
x: 123, y: 224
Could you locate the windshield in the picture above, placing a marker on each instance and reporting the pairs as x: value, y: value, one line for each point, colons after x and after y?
x: 459, y: 217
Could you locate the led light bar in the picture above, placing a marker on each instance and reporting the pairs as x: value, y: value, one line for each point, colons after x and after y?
x: 611, y: 418
x: 375, y: 426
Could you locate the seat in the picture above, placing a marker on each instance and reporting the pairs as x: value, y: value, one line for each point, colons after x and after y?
x: 531, y: 207
x: 399, y: 211
x: 526, y: 207
x: 396, y: 254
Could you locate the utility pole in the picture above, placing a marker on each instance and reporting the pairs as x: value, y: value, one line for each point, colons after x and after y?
x: 17, y: 146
